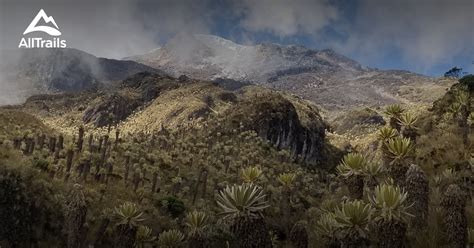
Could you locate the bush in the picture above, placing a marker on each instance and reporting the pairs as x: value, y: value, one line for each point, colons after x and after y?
x: 173, y: 206
x: 40, y: 163
x: 469, y: 81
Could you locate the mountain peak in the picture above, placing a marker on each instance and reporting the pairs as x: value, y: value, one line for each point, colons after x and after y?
x: 322, y: 76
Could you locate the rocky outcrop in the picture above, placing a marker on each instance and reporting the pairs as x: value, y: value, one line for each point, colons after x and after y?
x: 276, y: 120
x: 112, y: 109
x: 133, y: 92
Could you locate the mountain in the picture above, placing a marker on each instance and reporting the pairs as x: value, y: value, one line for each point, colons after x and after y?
x: 148, y: 102
x: 322, y: 76
x: 65, y: 70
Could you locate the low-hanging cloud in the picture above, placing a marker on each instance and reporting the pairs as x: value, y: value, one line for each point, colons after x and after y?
x: 286, y: 18
x: 421, y: 33
x: 425, y: 33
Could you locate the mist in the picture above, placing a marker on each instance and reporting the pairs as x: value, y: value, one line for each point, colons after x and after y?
x: 426, y: 36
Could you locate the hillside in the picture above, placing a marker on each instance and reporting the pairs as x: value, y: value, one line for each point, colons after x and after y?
x: 147, y: 103
x: 36, y: 71
x: 324, y: 77
x: 164, y: 150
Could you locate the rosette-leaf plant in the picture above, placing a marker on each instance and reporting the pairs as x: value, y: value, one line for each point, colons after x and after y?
x: 394, y: 112
x: 400, y: 151
x: 327, y: 228
x: 408, y: 123
x: 287, y: 180
x: 144, y: 236
x: 351, y: 168
x: 242, y: 205
x: 391, y: 215
x: 353, y: 218
x: 127, y: 218
x: 250, y: 174
x: 171, y: 239
x: 197, y: 223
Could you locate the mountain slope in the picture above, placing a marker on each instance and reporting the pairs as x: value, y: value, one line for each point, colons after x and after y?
x: 147, y: 102
x: 64, y: 70
x: 322, y: 76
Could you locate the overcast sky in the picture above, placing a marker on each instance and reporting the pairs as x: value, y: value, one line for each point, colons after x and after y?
x: 425, y: 36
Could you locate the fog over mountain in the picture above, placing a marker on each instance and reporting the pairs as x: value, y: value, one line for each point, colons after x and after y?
x: 36, y: 71
x: 321, y: 76
x: 427, y: 37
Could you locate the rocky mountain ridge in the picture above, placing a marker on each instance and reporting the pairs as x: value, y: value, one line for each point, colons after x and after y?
x: 324, y: 77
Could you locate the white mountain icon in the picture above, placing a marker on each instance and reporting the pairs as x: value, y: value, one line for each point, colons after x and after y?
x: 47, y: 29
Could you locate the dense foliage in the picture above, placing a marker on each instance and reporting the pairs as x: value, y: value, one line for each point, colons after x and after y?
x: 224, y: 185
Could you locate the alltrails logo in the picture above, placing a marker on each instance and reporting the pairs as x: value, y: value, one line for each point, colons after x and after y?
x: 39, y: 42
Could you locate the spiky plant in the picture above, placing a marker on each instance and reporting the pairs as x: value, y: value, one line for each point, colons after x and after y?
x: 171, y: 239
x: 391, y: 215
x: 386, y: 133
x: 299, y: 235
x: 287, y: 180
x: 454, y: 221
x: 127, y: 217
x: 243, y: 204
x: 197, y: 222
x: 417, y: 187
x: 371, y: 171
x: 250, y: 174
x: 327, y: 227
x: 400, y: 151
x: 144, y: 236
x: 408, y: 125
x: 394, y: 112
x: 75, y: 216
x: 351, y: 168
x: 353, y: 218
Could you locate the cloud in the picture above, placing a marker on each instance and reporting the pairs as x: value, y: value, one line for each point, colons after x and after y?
x: 423, y: 33
x: 107, y: 28
x: 420, y: 34
x: 286, y: 18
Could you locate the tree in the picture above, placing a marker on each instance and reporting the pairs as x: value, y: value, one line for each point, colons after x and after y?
x: 454, y: 72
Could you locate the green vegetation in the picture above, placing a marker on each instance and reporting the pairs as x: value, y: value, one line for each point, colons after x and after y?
x: 239, y: 177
